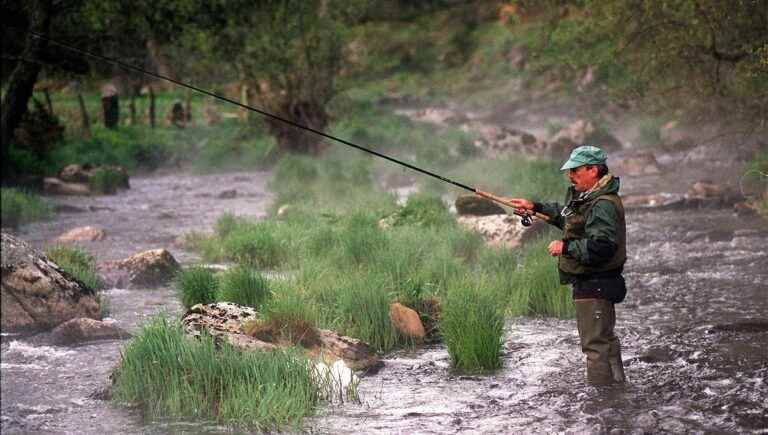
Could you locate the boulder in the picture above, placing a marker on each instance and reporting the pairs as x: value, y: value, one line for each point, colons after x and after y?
x: 146, y: 269
x: 82, y: 234
x: 54, y: 186
x: 500, y: 230
x: 36, y: 293
x: 226, y: 321
x: 639, y: 164
x: 406, y: 321
x: 83, y: 329
x: 473, y: 205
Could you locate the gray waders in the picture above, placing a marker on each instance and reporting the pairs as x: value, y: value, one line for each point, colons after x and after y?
x: 595, y: 319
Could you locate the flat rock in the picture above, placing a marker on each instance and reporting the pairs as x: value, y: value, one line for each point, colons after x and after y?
x: 225, y: 321
x: 82, y: 234
x: 54, y: 186
x: 83, y: 329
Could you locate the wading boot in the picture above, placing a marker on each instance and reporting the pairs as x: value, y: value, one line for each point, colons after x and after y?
x: 595, y: 319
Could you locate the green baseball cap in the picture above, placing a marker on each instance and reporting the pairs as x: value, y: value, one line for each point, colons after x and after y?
x: 585, y: 155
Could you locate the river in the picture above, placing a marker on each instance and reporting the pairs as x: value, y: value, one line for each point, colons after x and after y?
x: 694, y: 331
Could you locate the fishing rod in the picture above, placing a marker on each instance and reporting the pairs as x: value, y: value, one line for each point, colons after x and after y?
x: 525, y: 216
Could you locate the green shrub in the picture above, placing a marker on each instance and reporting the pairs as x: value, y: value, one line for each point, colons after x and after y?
x: 360, y: 239
x: 425, y: 210
x: 245, y: 286
x: 168, y: 375
x: 19, y: 207
x: 107, y: 180
x: 196, y: 285
x: 76, y: 262
x: 472, y: 325
x: 255, y: 244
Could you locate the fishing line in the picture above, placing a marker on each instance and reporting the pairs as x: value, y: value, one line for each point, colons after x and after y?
x: 526, y: 217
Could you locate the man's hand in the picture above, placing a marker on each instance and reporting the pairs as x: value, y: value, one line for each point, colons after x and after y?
x: 556, y: 248
x: 520, y: 205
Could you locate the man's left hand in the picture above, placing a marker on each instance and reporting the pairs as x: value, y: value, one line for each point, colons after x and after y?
x: 556, y: 248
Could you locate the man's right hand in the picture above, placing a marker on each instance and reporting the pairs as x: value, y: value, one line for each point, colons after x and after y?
x: 520, y: 205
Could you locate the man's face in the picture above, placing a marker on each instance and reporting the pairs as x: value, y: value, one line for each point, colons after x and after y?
x: 583, y: 177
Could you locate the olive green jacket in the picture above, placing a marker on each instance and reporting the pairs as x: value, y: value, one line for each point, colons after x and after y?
x: 600, y: 249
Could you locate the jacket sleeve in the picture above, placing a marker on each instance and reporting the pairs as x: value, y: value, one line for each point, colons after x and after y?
x: 551, y: 209
x: 600, y: 242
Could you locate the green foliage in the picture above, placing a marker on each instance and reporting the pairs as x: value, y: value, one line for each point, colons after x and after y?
x: 20, y: 207
x: 76, y: 262
x: 244, y: 285
x: 129, y: 147
x: 422, y: 209
x: 168, y: 375
x: 107, y: 180
x: 255, y: 244
x: 196, y: 285
x: 472, y: 325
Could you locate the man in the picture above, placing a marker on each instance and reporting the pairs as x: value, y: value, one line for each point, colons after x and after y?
x: 591, y: 256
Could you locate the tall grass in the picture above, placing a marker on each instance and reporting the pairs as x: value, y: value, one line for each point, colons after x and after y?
x: 168, y: 375
x: 531, y: 281
x: 107, y: 181
x: 19, y: 207
x: 244, y: 285
x: 196, y: 285
x: 472, y: 324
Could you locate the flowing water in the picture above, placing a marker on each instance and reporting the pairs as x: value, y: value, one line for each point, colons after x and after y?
x: 694, y: 331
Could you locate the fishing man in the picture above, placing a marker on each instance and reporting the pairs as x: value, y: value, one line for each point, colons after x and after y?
x: 590, y: 255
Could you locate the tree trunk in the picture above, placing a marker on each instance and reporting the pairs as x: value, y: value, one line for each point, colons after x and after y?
x: 85, y: 120
x: 188, y: 107
x: 48, y: 101
x: 132, y: 108
x: 111, y: 107
x: 151, y: 107
x: 23, y: 78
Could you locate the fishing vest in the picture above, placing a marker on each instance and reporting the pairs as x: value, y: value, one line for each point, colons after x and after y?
x: 574, y: 229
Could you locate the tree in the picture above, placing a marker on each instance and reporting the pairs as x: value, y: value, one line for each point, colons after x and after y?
x: 288, y: 54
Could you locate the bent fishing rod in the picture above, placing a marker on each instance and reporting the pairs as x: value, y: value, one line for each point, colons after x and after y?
x: 525, y: 216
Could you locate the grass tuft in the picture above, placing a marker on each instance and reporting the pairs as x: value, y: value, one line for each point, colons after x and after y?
x: 244, y: 285
x: 472, y: 325
x: 196, y: 285
x: 168, y: 375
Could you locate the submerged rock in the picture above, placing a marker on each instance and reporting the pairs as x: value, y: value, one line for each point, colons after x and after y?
x: 36, y: 293
x: 82, y: 234
x: 146, y: 269
x: 84, y: 329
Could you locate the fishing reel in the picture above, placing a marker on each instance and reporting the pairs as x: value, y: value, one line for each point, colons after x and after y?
x: 526, y: 220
